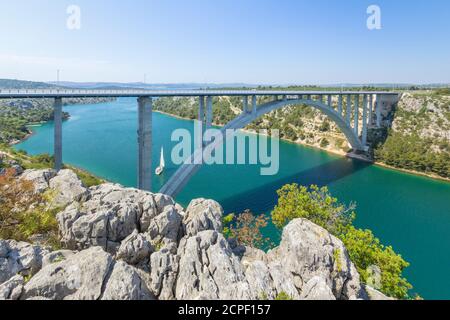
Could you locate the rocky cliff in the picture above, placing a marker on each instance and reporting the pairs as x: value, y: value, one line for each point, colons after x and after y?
x: 126, y: 244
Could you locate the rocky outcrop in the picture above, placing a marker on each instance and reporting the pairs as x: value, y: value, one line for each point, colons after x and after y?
x: 202, y: 215
x: 65, y: 187
x: 40, y: 178
x: 108, y: 217
x: 68, y: 188
x: 12, y: 289
x: 208, y: 269
x: 89, y: 275
x: 127, y: 244
x: 307, y: 251
x: 19, y: 258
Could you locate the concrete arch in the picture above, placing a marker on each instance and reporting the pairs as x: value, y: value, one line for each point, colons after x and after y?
x: 182, y: 176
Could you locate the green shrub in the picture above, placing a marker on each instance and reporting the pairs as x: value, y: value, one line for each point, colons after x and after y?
x: 365, y: 250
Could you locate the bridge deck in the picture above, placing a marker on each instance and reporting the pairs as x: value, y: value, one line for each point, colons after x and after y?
x: 75, y: 93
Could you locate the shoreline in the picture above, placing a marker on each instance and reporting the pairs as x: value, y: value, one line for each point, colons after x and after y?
x: 334, y: 152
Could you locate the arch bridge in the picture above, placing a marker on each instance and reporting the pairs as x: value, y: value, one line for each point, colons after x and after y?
x: 344, y: 108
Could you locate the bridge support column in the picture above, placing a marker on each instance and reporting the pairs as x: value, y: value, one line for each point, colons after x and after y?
x: 356, y: 116
x: 340, y: 105
x: 201, y: 121
x: 378, y: 110
x: 145, y: 143
x: 349, y: 109
x: 209, y: 111
x: 254, y: 105
x: 364, y: 123
x: 245, y: 107
x: 321, y: 98
x: 330, y: 101
x: 58, y: 134
x: 370, y: 109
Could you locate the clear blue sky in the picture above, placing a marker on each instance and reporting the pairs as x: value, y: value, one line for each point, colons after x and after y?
x: 225, y: 41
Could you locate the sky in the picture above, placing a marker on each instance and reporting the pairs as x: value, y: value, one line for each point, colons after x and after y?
x: 226, y: 41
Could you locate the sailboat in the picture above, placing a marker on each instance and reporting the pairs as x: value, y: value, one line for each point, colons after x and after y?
x: 162, y: 164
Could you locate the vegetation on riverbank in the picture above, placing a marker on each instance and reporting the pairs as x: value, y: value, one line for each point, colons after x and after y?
x: 43, y: 161
x: 420, y: 136
x: 412, y: 152
x: 419, y: 140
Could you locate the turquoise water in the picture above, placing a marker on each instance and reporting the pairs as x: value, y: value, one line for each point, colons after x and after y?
x: 408, y: 212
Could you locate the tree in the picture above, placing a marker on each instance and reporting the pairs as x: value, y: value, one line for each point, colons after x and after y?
x: 365, y: 250
x: 246, y: 229
x: 314, y: 204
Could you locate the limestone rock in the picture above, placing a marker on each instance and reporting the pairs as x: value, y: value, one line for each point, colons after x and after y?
x: 19, y: 258
x: 124, y: 283
x: 307, y: 251
x: 317, y: 289
x: 40, y: 178
x: 373, y: 294
x: 67, y: 187
x: 108, y: 217
x: 259, y: 279
x: 80, y: 277
x: 56, y: 256
x: 91, y: 274
x: 209, y: 269
x: 135, y: 249
x: 12, y: 289
x: 163, y: 273
x: 283, y: 281
x: 202, y: 215
x: 166, y: 226
x: 163, y: 201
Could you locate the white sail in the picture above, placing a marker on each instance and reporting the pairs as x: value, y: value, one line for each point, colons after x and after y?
x: 162, y: 162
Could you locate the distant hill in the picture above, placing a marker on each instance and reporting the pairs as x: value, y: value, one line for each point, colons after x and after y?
x: 21, y: 84
x: 140, y: 85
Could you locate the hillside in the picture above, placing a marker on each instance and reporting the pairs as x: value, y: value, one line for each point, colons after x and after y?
x: 419, y: 139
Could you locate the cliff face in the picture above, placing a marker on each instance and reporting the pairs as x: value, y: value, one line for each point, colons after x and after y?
x: 128, y: 244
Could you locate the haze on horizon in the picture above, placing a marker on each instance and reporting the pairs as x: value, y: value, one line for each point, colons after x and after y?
x: 226, y: 41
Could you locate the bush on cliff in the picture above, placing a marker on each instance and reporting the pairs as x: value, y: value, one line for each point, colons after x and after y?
x: 365, y: 250
x: 24, y: 213
x: 246, y: 228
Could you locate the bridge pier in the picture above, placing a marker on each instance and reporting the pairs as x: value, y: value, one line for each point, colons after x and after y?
x: 356, y: 117
x: 201, y: 121
x: 349, y: 109
x: 57, y: 111
x: 340, y: 105
x: 364, y: 123
x: 370, y: 109
x: 254, y: 105
x: 330, y: 101
x: 245, y: 107
x: 145, y: 143
x: 378, y: 110
x: 209, y: 111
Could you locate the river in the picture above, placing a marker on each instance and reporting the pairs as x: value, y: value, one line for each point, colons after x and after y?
x: 409, y: 212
